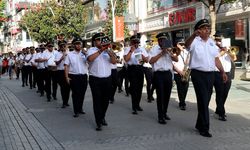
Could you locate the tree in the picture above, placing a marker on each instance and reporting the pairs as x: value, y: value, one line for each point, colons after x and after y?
x: 52, y: 19
x: 3, y: 17
x: 120, y: 8
x: 213, y: 11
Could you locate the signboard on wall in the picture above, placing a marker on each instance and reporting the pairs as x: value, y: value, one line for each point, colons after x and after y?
x: 119, y: 28
x: 182, y: 16
x: 239, y: 30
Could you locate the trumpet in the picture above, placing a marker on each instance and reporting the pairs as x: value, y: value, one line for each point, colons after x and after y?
x: 234, y: 50
x: 174, y: 51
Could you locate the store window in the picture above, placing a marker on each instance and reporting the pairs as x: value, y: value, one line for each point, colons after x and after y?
x: 154, y: 6
x: 237, y: 33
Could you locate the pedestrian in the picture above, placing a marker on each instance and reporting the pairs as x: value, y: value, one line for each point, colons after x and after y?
x: 27, y: 67
x: 179, y: 68
x: 11, y: 64
x: 161, y: 59
x: 148, y: 73
x: 18, y: 64
x: 41, y: 70
x: 204, y: 59
x: 222, y: 88
x: 49, y: 57
x: 100, y: 59
x: 135, y: 56
x: 76, y: 69
x: 61, y: 79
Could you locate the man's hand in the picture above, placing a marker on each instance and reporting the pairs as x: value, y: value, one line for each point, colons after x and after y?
x: 68, y: 80
x: 224, y: 77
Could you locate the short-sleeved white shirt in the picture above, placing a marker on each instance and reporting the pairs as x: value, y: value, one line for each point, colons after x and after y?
x: 40, y: 65
x: 136, y: 55
x: 226, y: 62
x: 203, y: 54
x: 58, y: 56
x: 77, y: 63
x: 27, y: 57
x: 50, y: 56
x: 35, y: 56
x: 120, y: 54
x: 164, y: 63
x: 101, y: 66
x: 182, y: 59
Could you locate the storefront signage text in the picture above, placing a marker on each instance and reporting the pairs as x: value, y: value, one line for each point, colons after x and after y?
x: 182, y: 16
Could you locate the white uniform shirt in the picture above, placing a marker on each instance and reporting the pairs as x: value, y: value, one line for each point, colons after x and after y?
x: 226, y: 62
x: 182, y: 59
x: 120, y: 54
x: 58, y: 56
x: 27, y: 59
x: 35, y: 55
x: 203, y: 54
x: 40, y: 65
x: 50, y: 56
x: 101, y: 66
x: 136, y: 55
x: 77, y: 63
x: 164, y: 63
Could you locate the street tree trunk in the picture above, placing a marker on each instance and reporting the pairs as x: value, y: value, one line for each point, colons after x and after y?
x: 212, y: 14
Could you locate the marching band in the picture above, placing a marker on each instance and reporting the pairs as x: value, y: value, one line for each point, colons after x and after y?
x: 104, y: 66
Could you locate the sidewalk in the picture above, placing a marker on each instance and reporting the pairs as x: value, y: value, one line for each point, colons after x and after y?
x: 29, y: 120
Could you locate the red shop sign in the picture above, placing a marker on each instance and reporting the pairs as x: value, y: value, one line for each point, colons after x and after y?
x: 182, y: 16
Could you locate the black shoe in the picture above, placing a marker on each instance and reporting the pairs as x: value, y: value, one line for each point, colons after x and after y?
x: 42, y: 94
x: 75, y: 115
x: 37, y: 91
x: 30, y: 87
x: 127, y: 94
x: 162, y: 121
x: 54, y: 98
x: 26, y: 84
x: 63, y: 106
x: 82, y: 112
x: 111, y: 101
x: 134, y: 112
x: 206, y: 134
x: 167, y: 117
x: 98, y: 128
x: 182, y: 107
x: 23, y: 85
x: 104, y: 123
x: 149, y: 101
x: 139, y: 109
x: 222, y: 118
x: 67, y: 105
x: 120, y: 90
x: 48, y: 99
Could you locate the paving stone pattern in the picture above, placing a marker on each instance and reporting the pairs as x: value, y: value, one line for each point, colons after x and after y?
x: 19, y: 129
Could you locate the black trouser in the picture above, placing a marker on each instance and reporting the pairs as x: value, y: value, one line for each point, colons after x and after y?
x: 64, y: 86
x: 182, y: 88
x: 51, y: 76
x: 78, y: 85
x: 114, y: 83
x: 163, y: 84
x: 41, y: 76
x: 34, y: 72
x: 101, y: 89
x: 149, y: 77
x: 135, y: 76
x: 120, y: 77
x: 221, y: 90
x: 24, y: 76
x: 203, y: 86
x: 27, y: 75
x: 18, y: 70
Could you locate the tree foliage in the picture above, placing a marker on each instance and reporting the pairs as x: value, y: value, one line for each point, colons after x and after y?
x: 120, y: 8
x: 51, y: 19
x: 3, y: 17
